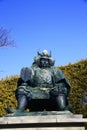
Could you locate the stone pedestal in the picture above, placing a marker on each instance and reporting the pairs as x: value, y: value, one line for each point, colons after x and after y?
x: 44, y: 122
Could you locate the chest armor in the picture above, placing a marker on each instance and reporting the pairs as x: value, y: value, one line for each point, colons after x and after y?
x: 43, y: 76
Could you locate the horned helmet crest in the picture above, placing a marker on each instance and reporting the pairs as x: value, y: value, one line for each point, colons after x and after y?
x: 44, y: 55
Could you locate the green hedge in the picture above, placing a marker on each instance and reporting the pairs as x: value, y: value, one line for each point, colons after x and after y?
x: 77, y: 75
x: 7, y: 93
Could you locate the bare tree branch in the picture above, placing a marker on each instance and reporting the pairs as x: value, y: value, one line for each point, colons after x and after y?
x: 4, y: 38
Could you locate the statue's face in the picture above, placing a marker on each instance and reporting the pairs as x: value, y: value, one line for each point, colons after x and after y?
x: 44, y: 63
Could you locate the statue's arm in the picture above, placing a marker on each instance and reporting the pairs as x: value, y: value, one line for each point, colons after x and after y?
x: 26, y: 76
x: 25, y: 81
x: 61, y: 81
x: 20, y: 81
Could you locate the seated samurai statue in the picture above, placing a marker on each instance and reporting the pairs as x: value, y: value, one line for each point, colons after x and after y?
x: 42, y: 86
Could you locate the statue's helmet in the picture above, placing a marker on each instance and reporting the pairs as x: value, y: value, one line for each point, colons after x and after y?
x: 44, y: 55
x: 45, y: 52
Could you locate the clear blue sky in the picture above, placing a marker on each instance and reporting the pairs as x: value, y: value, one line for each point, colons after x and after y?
x: 56, y: 25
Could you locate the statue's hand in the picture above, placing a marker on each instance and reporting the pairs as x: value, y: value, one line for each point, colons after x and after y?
x: 62, y: 89
x: 59, y: 89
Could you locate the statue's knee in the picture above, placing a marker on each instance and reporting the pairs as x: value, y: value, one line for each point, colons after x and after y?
x: 21, y: 92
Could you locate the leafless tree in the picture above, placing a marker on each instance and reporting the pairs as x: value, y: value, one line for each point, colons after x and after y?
x: 4, y: 38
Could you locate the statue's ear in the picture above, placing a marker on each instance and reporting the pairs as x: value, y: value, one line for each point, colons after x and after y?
x: 26, y: 74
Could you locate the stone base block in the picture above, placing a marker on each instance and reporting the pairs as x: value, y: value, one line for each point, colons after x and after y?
x: 44, y: 122
x: 46, y: 128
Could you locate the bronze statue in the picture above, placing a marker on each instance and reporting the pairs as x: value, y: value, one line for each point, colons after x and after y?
x: 42, y: 86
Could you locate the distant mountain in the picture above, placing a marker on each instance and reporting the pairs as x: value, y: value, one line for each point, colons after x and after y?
x: 77, y: 76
